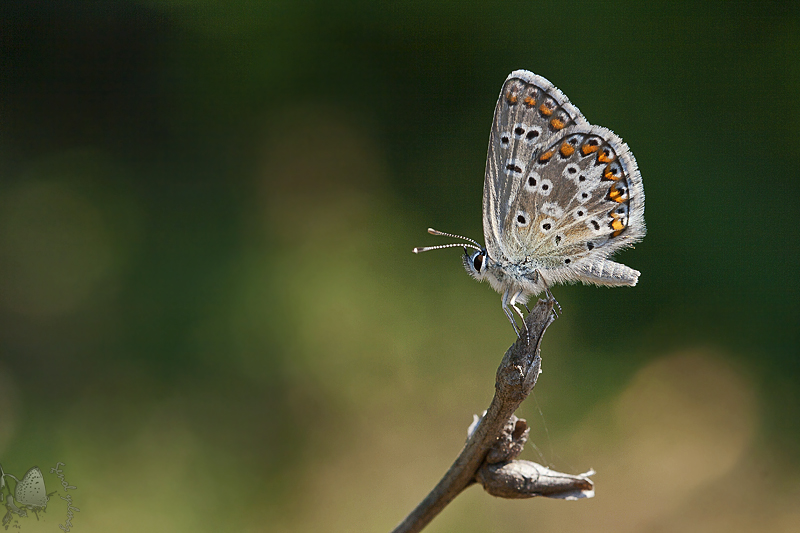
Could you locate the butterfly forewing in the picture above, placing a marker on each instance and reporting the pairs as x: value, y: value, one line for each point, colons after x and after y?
x: 530, y: 114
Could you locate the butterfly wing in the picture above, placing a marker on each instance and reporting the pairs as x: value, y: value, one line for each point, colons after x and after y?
x: 582, y: 199
x: 563, y: 199
x: 530, y: 113
x: 30, y: 491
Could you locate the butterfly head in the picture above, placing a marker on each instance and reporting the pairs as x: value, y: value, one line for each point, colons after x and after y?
x: 475, y: 262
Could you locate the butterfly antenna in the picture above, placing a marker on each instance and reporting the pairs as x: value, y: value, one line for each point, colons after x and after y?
x: 443, y: 234
x: 420, y: 249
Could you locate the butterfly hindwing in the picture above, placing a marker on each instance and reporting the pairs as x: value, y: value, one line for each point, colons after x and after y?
x: 581, y: 198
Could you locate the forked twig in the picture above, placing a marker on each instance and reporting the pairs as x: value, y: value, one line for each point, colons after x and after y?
x: 497, y: 438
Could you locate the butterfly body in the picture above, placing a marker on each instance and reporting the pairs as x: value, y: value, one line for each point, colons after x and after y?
x: 560, y: 196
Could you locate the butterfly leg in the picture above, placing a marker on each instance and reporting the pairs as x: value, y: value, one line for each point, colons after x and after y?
x: 510, y: 317
x: 549, y: 294
x: 508, y: 304
x: 513, y: 304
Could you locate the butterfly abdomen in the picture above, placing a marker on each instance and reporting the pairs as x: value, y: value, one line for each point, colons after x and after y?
x: 608, y: 273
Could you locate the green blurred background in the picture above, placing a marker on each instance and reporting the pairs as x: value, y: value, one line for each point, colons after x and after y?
x: 209, y: 308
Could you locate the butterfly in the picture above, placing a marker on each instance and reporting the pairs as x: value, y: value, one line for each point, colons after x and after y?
x: 559, y: 197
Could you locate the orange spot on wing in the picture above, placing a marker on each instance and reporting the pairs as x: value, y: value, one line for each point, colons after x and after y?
x: 609, y: 175
x: 617, y: 225
x: 617, y: 195
x: 545, y: 157
x: 511, y: 97
x: 606, y: 156
x: 557, y: 124
x: 567, y: 149
x: 544, y: 110
x: 587, y: 149
x: 529, y: 101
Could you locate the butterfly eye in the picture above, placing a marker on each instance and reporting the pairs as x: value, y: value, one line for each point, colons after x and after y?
x: 477, y: 262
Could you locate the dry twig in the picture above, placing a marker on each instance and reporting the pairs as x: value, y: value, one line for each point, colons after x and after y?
x: 498, y: 437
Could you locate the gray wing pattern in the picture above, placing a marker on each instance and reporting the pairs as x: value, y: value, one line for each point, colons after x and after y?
x: 530, y: 114
x: 581, y: 199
